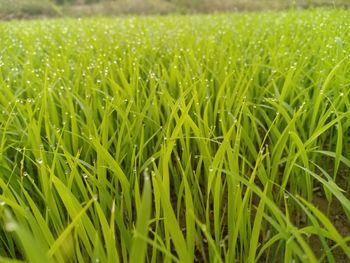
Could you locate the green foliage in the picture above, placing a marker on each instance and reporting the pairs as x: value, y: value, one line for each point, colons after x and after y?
x: 14, y: 9
x: 176, y: 139
x: 27, y: 8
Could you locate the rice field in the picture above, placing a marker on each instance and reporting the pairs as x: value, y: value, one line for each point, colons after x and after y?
x: 207, y: 138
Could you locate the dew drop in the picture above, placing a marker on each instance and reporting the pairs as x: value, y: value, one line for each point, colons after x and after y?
x: 10, y: 226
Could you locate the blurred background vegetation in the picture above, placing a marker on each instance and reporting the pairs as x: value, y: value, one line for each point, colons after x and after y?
x: 18, y: 9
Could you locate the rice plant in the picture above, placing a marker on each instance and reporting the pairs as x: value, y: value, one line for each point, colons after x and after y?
x: 207, y: 138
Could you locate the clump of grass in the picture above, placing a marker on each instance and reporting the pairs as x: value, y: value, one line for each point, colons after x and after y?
x: 183, y: 138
